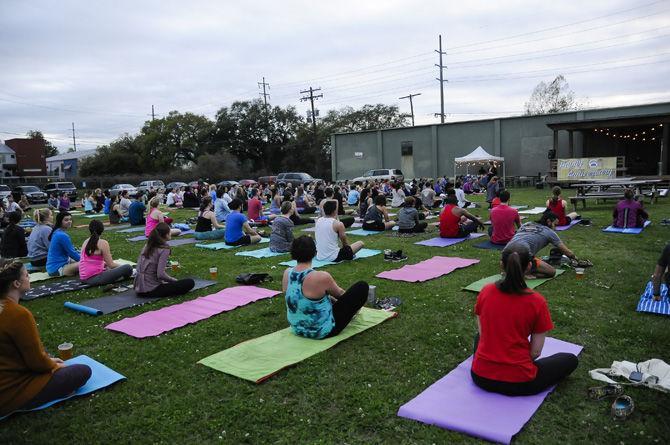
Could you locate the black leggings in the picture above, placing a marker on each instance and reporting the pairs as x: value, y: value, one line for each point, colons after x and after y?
x: 376, y: 227
x: 307, y: 210
x: 550, y: 371
x: 348, y: 305
x: 39, y: 263
x: 418, y: 228
x: 298, y: 221
x: 64, y: 381
x: 347, y: 220
x: 179, y: 287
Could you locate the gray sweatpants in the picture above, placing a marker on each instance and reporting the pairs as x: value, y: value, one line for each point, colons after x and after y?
x: 110, y: 276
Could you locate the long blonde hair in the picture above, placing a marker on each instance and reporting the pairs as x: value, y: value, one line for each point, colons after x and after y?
x: 42, y: 215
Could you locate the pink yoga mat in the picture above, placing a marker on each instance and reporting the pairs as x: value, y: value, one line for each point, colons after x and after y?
x: 454, y: 402
x: 172, y: 317
x: 428, y: 269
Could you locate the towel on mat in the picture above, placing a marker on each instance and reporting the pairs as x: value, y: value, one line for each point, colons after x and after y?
x: 648, y: 304
x: 258, y: 359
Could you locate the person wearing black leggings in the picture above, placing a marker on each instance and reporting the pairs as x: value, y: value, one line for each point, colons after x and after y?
x: 316, y: 306
x: 152, y: 280
x: 508, y: 313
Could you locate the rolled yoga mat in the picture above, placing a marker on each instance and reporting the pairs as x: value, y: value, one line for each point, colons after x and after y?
x: 112, y: 303
x: 630, y: 231
x: 648, y: 304
x: 224, y: 246
x: 260, y: 253
x: 532, y: 284
x: 455, y: 403
x: 446, y: 242
x: 428, y: 269
x: 153, y: 323
x: 363, y: 253
x: 101, y: 377
x: 259, y: 359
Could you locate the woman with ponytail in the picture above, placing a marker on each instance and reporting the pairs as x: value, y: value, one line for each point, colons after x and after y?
x: 152, y: 280
x: 29, y: 377
x: 38, y: 241
x: 155, y: 217
x: 62, y: 258
x: 208, y: 226
x: 557, y: 205
x: 508, y: 314
x: 97, y: 266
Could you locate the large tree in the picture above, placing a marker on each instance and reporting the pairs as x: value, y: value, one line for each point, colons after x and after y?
x: 553, y: 97
x: 49, y: 148
x: 120, y: 156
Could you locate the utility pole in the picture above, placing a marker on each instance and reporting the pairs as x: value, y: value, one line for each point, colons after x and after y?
x: 411, y: 105
x: 264, y: 94
x: 74, y: 139
x: 311, y: 98
x: 153, y: 116
x: 441, y: 79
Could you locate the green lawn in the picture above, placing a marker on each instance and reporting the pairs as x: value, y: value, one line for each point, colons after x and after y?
x: 351, y: 393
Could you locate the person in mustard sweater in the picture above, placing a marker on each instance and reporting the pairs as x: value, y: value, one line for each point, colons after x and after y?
x: 29, y: 377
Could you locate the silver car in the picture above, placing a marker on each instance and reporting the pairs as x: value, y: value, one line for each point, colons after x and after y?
x: 146, y: 185
x: 117, y: 189
x: 380, y: 174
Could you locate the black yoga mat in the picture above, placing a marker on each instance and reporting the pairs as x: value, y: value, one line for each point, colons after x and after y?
x: 124, y: 300
x: 58, y: 287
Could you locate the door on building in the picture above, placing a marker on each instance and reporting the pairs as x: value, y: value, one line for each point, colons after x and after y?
x: 407, y: 159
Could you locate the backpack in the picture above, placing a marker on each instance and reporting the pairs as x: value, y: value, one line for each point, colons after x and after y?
x: 252, y: 278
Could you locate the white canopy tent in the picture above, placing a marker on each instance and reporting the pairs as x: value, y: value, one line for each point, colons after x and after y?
x: 478, y: 156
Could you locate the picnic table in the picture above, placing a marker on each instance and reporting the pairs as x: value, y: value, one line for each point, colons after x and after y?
x: 613, y: 189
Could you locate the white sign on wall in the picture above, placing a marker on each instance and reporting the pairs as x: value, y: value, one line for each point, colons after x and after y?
x: 358, y: 154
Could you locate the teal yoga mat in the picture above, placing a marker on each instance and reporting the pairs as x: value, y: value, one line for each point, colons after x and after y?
x: 363, y: 253
x: 260, y: 253
x: 223, y: 245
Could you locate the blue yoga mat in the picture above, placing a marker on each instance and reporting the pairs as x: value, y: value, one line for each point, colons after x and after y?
x: 363, y: 253
x: 363, y: 232
x: 489, y: 245
x: 648, y: 304
x: 260, y: 253
x: 630, y: 231
x: 223, y: 245
x: 101, y: 377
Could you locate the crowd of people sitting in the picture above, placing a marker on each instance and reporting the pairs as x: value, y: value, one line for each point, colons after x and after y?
x: 317, y: 307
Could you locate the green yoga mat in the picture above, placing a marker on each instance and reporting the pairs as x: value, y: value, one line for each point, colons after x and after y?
x: 478, y: 285
x: 260, y: 358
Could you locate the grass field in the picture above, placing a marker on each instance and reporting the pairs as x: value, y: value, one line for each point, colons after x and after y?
x: 351, y: 393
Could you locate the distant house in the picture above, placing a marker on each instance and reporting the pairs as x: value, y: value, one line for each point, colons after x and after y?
x: 67, y: 165
x: 7, y: 160
x: 29, y: 159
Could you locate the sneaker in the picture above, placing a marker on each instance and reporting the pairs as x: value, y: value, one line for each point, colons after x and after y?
x: 601, y: 392
x: 389, y: 255
x: 398, y: 256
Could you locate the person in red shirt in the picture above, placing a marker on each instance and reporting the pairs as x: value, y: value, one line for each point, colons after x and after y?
x: 454, y: 220
x: 508, y: 313
x: 504, y: 220
x: 255, y: 207
x: 557, y: 205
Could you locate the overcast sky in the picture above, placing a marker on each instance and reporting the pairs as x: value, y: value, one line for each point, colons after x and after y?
x: 102, y: 65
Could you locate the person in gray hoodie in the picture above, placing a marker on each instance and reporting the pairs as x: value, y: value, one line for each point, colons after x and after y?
x: 38, y: 241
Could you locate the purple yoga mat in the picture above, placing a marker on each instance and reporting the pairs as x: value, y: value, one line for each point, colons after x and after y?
x: 572, y: 223
x: 172, y: 317
x: 428, y: 269
x: 445, y: 242
x: 455, y: 403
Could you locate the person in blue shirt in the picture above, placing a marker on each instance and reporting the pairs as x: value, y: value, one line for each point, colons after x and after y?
x: 108, y: 203
x: 238, y: 230
x: 136, y: 213
x: 62, y: 258
x: 352, y: 198
x: 212, y: 193
x: 221, y: 209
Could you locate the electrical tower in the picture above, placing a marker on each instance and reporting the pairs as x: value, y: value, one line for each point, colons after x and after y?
x: 264, y: 93
x: 411, y: 104
x: 311, y: 98
x: 442, y: 80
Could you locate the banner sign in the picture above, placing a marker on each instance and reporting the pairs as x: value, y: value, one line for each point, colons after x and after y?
x: 586, y: 168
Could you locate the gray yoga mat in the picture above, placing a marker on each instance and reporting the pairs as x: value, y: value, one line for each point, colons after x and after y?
x: 124, y: 300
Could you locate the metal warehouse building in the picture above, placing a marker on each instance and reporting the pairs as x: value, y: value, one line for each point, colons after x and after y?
x: 638, y: 135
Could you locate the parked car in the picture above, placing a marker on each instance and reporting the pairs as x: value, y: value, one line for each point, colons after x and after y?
x: 266, y: 180
x: 118, y: 188
x: 390, y: 174
x: 34, y: 194
x: 175, y: 185
x: 5, y: 191
x: 228, y: 184
x: 58, y: 188
x: 296, y: 179
x: 146, y: 185
x: 247, y: 182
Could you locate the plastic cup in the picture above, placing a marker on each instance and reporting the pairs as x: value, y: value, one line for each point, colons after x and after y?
x: 372, y: 293
x: 213, y: 273
x: 65, y: 351
x: 175, y: 266
x: 579, y: 273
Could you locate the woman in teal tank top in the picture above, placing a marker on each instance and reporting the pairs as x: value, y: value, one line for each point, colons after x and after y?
x: 316, y: 307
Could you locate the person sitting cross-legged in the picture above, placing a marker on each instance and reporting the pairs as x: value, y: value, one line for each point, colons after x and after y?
x: 454, y: 220
x: 328, y: 231
x: 208, y: 227
x: 512, y: 324
x: 408, y: 218
x: 629, y: 212
x: 282, y: 229
x: 316, y: 306
x: 557, y: 205
x: 376, y: 218
x: 504, y: 220
x: 96, y: 265
x: 238, y: 231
